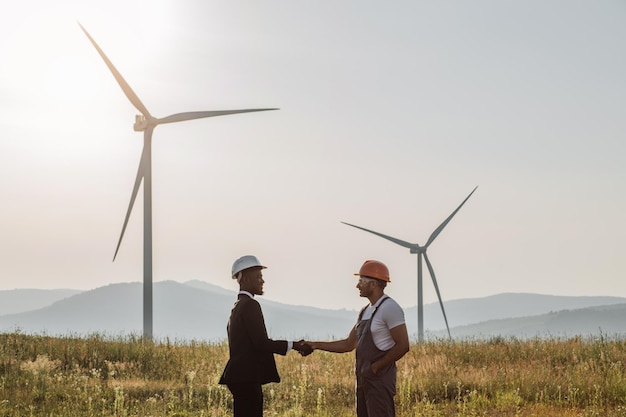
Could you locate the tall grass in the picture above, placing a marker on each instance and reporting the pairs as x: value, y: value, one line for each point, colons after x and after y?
x: 100, y: 376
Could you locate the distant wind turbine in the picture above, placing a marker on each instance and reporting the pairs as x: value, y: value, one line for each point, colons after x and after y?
x: 147, y: 123
x: 421, y: 251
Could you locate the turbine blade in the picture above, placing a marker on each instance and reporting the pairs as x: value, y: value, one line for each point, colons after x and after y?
x: 438, y: 230
x: 130, y: 94
x: 181, y: 117
x: 432, y: 275
x: 138, y: 180
x: 393, y: 239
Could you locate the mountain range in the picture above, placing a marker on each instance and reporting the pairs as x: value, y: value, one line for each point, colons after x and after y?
x: 197, y: 310
x: 22, y: 300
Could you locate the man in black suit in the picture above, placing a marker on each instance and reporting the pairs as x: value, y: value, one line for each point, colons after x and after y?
x: 251, y: 363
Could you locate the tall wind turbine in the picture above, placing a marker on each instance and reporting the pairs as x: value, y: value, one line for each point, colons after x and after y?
x: 146, y: 123
x: 421, y: 251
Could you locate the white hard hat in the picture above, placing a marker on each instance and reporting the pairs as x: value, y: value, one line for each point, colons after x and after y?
x: 245, y: 262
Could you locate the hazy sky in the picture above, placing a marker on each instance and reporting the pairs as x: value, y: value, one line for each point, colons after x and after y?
x: 390, y: 114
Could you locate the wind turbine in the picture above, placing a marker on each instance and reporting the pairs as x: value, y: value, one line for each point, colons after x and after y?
x: 421, y: 251
x: 146, y: 123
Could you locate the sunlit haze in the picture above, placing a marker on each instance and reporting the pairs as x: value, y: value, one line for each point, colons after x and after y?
x: 390, y: 114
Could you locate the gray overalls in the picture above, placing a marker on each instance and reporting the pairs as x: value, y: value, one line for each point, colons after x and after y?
x: 374, y: 393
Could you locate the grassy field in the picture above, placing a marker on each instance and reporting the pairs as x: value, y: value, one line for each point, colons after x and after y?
x: 97, y: 376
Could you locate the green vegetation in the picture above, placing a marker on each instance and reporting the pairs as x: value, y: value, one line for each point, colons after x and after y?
x: 98, y: 376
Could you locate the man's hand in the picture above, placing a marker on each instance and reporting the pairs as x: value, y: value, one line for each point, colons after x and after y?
x: 303, y: 347
x: 374, y: 368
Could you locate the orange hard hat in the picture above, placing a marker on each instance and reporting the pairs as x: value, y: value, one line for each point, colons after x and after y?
x: 374, y: 269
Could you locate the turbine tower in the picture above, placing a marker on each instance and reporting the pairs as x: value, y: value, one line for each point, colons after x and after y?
x: 421, y: 252
x: 146, y: 123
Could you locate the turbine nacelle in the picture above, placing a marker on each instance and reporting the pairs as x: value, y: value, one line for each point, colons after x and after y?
x: 141, y: 123
x: 418, y: 249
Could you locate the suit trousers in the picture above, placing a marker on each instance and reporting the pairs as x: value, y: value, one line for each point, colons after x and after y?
x: 247, y: 399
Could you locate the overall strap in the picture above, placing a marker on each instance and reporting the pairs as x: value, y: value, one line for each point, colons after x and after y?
x: 377, y: 307
x: 362, y: 311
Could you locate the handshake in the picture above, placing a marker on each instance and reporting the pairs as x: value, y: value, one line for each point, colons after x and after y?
x: 304, y: 348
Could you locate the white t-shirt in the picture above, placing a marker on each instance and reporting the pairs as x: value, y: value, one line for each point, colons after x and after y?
x: 388, y: 316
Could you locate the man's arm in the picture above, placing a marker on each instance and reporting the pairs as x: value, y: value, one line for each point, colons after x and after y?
x: 401, y: 338
x: 255, y: 326
x: 337, y: 346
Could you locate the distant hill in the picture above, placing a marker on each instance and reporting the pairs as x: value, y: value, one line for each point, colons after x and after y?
x: 22, y: 300
x: 609, y: 321
x: 206, y: 286
x: 199, y: 310
x: 181, y: 311
x: 501, y: 306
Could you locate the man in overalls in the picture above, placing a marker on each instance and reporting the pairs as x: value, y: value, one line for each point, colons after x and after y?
x: 380, y: 338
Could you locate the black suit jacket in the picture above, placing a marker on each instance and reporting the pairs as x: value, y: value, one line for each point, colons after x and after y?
x: 251, y: 350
